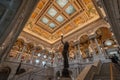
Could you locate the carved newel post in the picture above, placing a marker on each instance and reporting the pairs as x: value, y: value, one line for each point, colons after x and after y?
x: 65, y: 52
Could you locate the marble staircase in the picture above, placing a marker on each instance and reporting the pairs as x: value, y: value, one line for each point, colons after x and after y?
x: 104, y: 72
x: 109, y: 71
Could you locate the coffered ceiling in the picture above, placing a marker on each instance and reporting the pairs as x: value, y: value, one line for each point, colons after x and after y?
x: 51, y: 18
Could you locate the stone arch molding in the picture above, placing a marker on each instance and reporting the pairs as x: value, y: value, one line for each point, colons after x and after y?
x: 40, y: 46
x: 82, y: 35
x: 30, y: 41
x: 102, y: 26
x: 93, y: 31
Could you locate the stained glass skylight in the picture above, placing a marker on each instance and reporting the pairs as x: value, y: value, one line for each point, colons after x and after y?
x: 62, y: 3
x: 44, y: 20
x: 60, y: 18
x: 70, y: 10
x: 52, y: 12
x: 52, y: 25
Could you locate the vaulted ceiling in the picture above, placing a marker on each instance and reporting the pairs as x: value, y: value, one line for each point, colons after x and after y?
x: 51, y: 18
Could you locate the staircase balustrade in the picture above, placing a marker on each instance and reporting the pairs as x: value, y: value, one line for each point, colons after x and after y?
x: 89, y: 71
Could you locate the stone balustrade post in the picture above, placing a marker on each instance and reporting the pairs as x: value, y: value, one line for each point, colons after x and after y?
x: 32, y: 56
x: 100, y: 55
x: 21, y: 53
x: 80, y: 53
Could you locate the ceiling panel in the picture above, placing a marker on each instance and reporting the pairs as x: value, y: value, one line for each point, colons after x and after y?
x: 60, y: 18
x: 52, y: 12
x: 62, y: 3
x: 52, y: 25
x: 70, y: 10
x: 45, y: 20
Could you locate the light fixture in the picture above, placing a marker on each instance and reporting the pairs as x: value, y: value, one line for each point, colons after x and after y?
x: 45, y: 56
x: 37, y: 61
x: 39, y: 54
x: 108, y: 42
x: 43, y: 63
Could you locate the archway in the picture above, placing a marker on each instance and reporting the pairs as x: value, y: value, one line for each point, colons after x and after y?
x: 17, y: 47
x: 27, y: 54
x: 4, y: 72
x: 103, y: 34
x: 107, y: 42
x: 84, y: 45
x: 72, y: 50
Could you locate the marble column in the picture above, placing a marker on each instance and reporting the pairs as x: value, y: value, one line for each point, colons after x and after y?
x: 98, y: 47
x: 80, y: 53
x: 21, y: 53
x: 55, y: 63
x: 100, y: 55
x: 32, y: 56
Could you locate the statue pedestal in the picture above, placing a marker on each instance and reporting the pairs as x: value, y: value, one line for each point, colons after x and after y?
x: 65, y: 78
x: 65, y: 73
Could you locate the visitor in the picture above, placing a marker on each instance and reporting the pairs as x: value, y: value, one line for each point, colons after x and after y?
x: 115, y: 60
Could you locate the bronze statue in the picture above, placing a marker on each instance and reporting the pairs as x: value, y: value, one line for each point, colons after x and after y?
x: 65, y: 52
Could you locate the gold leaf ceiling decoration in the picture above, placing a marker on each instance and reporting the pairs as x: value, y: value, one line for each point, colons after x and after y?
x: 51, y: 18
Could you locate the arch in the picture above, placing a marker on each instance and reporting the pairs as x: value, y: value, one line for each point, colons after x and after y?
x: 29, y: 46
x: 103, y: 33
x: 19, y: 42
x: 45, y: 51
x: 84, y: 44
x: 21, y: 37
x: 4, y: 72
x: 38, y: 49
x: 100, y: 27
x: 82, y: 35
x: 84, y: 38
x: 71, y: 43
x: 40, y: 46
x: 60, y: 48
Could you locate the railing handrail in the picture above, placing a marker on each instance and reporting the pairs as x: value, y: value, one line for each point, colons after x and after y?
x: 35, y: 66
x: 84, y: 72
x: 27, y: 73
x: 88, y: 68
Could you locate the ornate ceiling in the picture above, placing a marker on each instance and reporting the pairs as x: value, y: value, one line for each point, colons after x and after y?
x: 51, y: 18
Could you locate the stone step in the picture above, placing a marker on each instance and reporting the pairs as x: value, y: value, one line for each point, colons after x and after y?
x: 116, y: 78
x: 116, y: 75
x: 101, y: 78
x: 65, y: 79
x: 104, y: 77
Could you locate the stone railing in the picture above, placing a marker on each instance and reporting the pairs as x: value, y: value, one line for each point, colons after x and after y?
x: 38, y: 74
x: 24, y: 76
x: 89, y: 71
x: 75, y: 68
x: 75, y: 61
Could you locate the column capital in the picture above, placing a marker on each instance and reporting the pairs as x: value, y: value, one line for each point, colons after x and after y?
x: 92, y: 36
x: 77, y: 42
